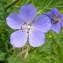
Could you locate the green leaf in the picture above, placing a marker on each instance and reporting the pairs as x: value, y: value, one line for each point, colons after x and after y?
x: 2, y: 56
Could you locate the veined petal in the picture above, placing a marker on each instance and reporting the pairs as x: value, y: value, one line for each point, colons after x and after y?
x: 28, y: 12
x: 14, y: 21
x: 48, y: 14
x: 55, y: 11
x: 36, y: 38
x: 42, y: 23
x: 18, y: 39
x: 56, y: 27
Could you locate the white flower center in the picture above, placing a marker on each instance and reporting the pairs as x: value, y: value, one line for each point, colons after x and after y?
x: 26, y: 27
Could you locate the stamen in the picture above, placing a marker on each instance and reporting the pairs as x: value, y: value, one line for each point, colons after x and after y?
x: 55, y: 19
x: 26, y: 27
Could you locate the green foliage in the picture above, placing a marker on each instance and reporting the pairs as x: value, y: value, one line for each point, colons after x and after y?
x: 50, y: 52
x: 2, y: 56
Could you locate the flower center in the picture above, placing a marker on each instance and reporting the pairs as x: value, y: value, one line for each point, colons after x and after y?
x: 55, y: 19
x: 26, y: 27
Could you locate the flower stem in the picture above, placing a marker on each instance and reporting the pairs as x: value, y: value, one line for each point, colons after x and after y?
x: 11, y: 4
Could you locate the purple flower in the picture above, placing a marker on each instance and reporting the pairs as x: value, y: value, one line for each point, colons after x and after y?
x: 56, y: 19
x: 29, y: 27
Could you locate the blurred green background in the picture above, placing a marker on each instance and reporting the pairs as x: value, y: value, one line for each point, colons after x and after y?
x: 50, y: 52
